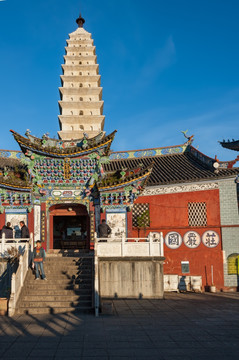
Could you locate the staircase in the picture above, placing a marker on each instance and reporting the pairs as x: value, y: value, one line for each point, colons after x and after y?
x: 69, y: 287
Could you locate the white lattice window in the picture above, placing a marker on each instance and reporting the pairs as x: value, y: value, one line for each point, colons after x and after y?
x: 140, y: 215
x: 197, y: 214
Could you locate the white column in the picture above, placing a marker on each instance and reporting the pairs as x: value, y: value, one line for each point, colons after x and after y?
x: 150, y: 244
x: 37, y: 222
x: 3, y: 244
x: 161, y: 244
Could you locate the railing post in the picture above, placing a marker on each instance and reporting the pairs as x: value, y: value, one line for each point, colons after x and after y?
x: 31, y: 246
x: 123, y: 245
x: 161, y: 244
x: 3, y: 244
x: 21, y: 270
x: 31, y: 240
x: 96, y: 276
x: 11, y: 307
x: 150, y: 244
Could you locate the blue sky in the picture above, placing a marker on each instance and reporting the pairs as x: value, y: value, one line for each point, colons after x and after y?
x: 166, y: 66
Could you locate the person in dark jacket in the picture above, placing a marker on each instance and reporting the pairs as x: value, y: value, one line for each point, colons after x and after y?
x: 104, y: 229
x: 8, y: 231
x: 24, y: 230
x: 38, y: 257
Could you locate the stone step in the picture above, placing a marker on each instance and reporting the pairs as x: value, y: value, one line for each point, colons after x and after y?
x: 69, y: 287
x: 63, y: 277
x: 67, y: 266
x: 53, y: 304
x: 68, y: 271
x: 56, y: 298
x: 56, y: 292
x: 75, y: 260
x: 69, y: 253
x: 45, y: 285
x: 53, y: 310
x: 65, y: 280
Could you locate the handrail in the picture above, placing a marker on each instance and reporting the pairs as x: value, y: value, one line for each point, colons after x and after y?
x: 121, y: 246
x: 18, y: 278
x: 96, y: 272
x: 6, y: 243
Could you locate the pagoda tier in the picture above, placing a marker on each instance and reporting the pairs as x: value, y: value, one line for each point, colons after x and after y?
x: 81, y: 105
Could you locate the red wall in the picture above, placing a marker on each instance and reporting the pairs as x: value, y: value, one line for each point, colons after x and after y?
x: 2, y: 220
x: 30, y: 222
x: 168, y: 212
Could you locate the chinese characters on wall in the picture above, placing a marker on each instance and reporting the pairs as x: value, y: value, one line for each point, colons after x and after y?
x: 192, y: 239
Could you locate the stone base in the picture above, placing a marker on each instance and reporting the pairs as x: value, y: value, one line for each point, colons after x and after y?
x: 131, y: 277
x: 3, y: 306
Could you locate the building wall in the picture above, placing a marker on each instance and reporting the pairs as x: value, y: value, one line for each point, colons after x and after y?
x: 229, y: 219
x: 169, y: 212
x: 30, y: 219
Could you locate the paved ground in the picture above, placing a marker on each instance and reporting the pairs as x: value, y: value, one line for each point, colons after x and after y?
x: 183, y: 326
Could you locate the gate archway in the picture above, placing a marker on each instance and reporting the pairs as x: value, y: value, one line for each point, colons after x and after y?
x: 69, y: 227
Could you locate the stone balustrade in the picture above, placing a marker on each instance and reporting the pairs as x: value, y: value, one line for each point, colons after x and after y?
x: 133, y: 247
x: 18, y: 278
x: 16, y: 243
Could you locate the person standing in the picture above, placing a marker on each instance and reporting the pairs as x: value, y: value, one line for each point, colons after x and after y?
x: 8, y: 231
x: 24, y: 230
x: 38, y: 258
x: 104, y: 229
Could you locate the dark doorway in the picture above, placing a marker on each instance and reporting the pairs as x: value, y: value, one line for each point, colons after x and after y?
x: 69, y: 227
x: 69, y: 232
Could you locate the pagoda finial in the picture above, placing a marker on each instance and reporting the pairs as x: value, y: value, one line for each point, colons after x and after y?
x: 80, y: 21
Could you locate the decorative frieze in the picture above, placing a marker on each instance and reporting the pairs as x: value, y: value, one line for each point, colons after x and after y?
x: 179, y: 189
x: 169, y: 150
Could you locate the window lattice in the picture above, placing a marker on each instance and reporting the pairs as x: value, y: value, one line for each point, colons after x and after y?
x: 197, y: 214
x: 140, y: 215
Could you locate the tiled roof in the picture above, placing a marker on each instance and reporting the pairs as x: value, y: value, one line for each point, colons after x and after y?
x: 232, y: 145
x: 171, y: 169
x: 13, y: 174
x: 54, y: 148
x: 10, y: 163
x: 116, y: 180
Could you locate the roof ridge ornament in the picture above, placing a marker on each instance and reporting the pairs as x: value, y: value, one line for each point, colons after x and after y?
x: 80, y: 21
x: 189, y: 138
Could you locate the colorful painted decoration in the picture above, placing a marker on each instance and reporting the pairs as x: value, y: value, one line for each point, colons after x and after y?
x: 192, y: 239
x: 173, y: 240
x: 144, y: 153
x: 210, y: 238
x: 118, y: 156
x: 173, y: 150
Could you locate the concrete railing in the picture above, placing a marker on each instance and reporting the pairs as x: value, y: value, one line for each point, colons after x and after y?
x: 16, y: 243
x: 19, y: 277
x: 117, y: 247
x: 96, y: 278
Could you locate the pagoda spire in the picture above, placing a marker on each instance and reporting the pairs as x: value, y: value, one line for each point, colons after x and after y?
x: 80, y: 21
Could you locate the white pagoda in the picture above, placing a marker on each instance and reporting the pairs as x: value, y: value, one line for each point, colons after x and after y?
x: 81, y: 105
